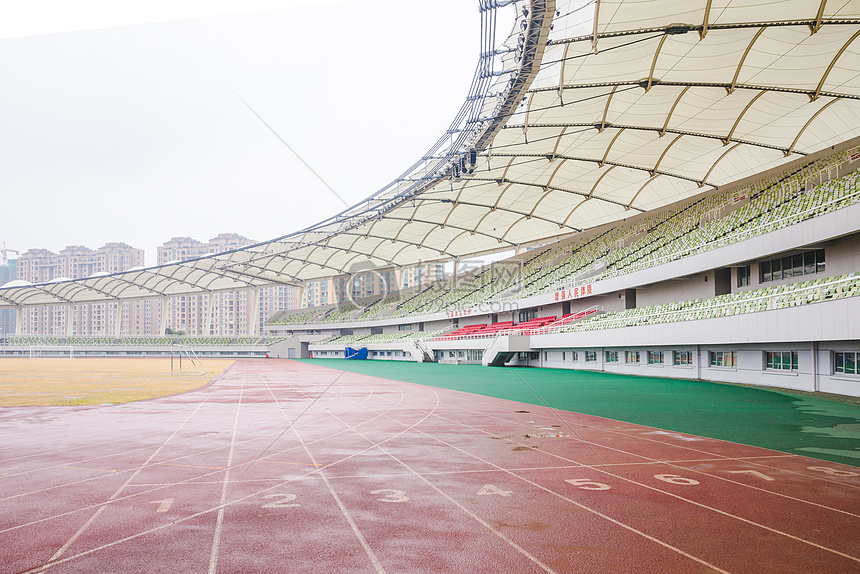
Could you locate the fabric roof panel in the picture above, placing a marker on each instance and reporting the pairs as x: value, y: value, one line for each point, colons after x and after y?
x: 721, y: 93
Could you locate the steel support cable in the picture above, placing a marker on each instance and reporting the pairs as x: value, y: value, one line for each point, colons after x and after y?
x: 349, y: 215
x: 603, y: 51
x: 558, y: 416
x: 364, y: 211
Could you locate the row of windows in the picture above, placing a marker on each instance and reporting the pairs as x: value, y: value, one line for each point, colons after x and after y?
x: 846, y: 363
x: 808, y: 263
x: 468, y: 354
x: 782, y: 360
x: 679, y: 358
x: 724, y: 358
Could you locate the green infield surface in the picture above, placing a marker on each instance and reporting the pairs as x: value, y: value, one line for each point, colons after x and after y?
x: 793, y: 422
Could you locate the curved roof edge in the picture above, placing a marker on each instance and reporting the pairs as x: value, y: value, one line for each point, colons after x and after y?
x: 587, y: 113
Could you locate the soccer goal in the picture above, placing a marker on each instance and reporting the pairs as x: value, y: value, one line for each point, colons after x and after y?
x: 52, y: 352
x: 184, y: 361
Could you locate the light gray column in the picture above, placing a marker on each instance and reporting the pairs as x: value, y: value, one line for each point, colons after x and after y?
x: 698, y: 362
x: 19, y: 321
x: 815, y: 385
x: 163, y: 329
x: 118, y: 331
x: 70, y: 319
x: 255, y: 314
x: 209, y: 311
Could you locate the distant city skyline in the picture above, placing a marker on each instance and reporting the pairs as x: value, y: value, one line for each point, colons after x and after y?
x: 225, y: 314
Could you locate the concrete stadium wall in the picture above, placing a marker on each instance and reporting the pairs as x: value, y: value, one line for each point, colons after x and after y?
x: 751, y: 368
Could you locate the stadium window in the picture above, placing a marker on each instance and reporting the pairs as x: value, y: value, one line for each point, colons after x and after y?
x: 631, y: 357
x: 766, y: 274
x: 563, y: 356
x: 724, y: 358
x: 743, y: 276
x: 781, y: 360
x: 574, y: 356
x: 591, y: 356
x: 845, y: 363
x: 527, y: 315
x: 546, y: 355
x: 655, y: 357
x: 787, y: 268
x: 807, y: 263
x: 611, y: 356
x: 797, y: 264
x: 776, y: 269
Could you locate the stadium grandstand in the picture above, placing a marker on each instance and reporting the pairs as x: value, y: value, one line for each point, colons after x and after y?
x: 659, y: 188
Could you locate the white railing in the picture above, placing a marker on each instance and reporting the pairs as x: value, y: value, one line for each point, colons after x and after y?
x: 568, y: 320
x: 791, y: 296
x: 520, y: 331
x: 741, y: 235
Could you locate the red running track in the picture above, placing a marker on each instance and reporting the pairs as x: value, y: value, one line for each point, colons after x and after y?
x: 281, y: 466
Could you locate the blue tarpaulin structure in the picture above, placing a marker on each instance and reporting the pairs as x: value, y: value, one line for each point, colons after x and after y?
x: 350, y: 353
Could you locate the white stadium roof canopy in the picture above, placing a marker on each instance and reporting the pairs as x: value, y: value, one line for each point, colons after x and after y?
x: 588, y: 112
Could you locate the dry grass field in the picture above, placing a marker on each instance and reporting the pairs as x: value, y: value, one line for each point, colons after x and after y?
x: 92, y: 381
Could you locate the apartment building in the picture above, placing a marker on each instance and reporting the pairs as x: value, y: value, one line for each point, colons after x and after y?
x: 8, y: 272
x: 228, y: 313
x: 368, y: 283
x: 77, y: 262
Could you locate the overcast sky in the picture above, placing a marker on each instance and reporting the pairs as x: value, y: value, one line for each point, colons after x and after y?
x: 116, y: 130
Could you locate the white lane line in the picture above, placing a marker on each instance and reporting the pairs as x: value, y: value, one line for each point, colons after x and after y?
x: 511, y: 542
x: 89, y: 469
x: 75, y: 536
x: 635, y: 433
x: 101, y: 507
x: 670, y: 494
x: 720, y: 458
x: 679, y: 465
x: 219, y: 520
x: 474, y: 516
x: 191, y: 480
x: 356, y: 531
x: 310, y: 473
x: 468, y: 512
x: 69, y: 449
x: 591, y: 510
x: 121, y: 453
x: 361, y: 539
x: 601, y: 470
